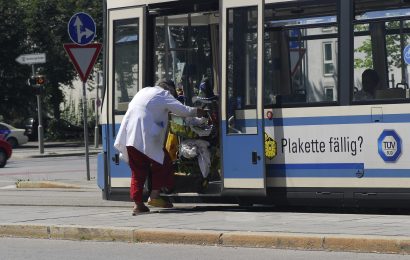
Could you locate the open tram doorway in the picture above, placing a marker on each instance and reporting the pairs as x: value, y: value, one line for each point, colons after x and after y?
x: 186, y: 48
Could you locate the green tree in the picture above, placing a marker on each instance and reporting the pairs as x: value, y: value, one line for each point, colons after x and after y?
x: 16, y: 98
x: 393, y: 47
x: 46, y: 22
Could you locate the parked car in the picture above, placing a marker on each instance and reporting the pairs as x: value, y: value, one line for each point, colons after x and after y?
x: 63, y: 129
x: 5, y: 152
x: 31, y: 126
x: 14, y: 136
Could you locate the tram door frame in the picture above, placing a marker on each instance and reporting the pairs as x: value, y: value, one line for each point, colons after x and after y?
x: 243, y: 159
x: 119, y: 174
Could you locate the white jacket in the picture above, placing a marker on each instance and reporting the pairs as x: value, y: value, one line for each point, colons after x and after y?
x: 146, y: 120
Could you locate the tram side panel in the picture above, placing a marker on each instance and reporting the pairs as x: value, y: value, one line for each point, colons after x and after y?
x: 340, y: 153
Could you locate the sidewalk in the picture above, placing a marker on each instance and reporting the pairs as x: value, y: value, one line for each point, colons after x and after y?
x: 81, y: 214
x: 210, y: 225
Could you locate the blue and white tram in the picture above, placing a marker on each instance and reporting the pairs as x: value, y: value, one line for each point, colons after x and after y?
x: 294, y: 125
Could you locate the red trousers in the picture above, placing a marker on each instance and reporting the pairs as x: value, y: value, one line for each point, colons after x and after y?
x: 141, y: 165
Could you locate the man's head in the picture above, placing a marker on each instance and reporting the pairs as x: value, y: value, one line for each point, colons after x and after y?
x: 370, y: 79
x: 167, y: 84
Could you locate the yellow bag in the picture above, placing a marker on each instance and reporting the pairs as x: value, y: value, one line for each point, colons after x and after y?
x: 172, y: 146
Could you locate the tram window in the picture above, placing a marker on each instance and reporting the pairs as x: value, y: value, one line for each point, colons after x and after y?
x: 300, y: 54
x: 126, y: 59
x: 380, y: 38
x: 182, y: 51
x: 178, y: 31
x: 242, y: 43
x: 160, y: 33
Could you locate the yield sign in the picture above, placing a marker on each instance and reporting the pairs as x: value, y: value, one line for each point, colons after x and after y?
x: 83, y: 57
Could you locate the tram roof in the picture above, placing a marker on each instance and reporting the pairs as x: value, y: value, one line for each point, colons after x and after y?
x: 126, y: 3
x: 193, y: 4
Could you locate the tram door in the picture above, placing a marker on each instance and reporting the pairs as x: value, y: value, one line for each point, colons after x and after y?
x: 125, y: 42
x: 243, y: 162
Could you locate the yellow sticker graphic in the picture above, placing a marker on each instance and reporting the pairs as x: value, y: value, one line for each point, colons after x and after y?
x: 270, y: 147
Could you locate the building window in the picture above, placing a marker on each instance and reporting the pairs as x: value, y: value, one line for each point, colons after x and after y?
x: 329, y: 93
x: 328, y: 66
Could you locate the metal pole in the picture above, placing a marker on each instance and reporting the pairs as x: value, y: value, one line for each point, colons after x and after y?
x: 96, y: 132
x: 40, y: 119
x: 40, y: 126
x: 86, y: 132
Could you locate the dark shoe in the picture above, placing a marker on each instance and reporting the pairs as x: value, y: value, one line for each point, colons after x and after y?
x: 138, y: 210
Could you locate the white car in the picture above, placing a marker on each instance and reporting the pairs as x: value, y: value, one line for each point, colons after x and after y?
x: 14, y: 136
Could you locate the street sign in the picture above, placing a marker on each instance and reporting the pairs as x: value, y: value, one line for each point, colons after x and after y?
x: 33, y: 58
x: 83, y: 57
x: 81, y: 28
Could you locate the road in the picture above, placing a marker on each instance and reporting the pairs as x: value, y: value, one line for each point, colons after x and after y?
x: 27, y: 249
x: 50, y: 168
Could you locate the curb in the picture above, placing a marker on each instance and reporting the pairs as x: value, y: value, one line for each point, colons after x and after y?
x: 51, y: 154
x: 351, y: 243
x: 44, y: 184
x: 61, y: 154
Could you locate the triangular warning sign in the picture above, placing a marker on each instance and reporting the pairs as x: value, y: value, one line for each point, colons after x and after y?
x: 83, y: 57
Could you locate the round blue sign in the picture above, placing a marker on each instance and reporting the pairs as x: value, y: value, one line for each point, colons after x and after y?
x: 389, y: 145
x: 406, y: 54
x: 81, y: 28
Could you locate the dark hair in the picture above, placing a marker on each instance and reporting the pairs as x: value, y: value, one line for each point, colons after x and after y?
x: 370, y: 79
x: 167, y: 84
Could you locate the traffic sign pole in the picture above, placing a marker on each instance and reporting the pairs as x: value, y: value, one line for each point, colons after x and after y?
x: 97, y: 105
x: 87, y: 160
x: 83, y: 54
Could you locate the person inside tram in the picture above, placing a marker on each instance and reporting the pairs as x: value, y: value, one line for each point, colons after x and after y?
x: 370, y: 79
x: 205, y: 92
x: 207, y: 99
x: 141, y: 140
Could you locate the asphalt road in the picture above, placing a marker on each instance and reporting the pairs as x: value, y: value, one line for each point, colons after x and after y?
x: 27, y: 249
x: 71, y: 168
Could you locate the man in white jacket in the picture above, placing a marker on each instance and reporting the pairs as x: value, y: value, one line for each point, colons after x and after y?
x: 141, y: 139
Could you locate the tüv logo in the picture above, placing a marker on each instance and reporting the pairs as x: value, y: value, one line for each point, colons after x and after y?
x: 389, y: 145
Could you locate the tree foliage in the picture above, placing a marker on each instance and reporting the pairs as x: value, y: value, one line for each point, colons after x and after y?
x: 39, y: 26
x: 15, y: 97
x: 393, y: 47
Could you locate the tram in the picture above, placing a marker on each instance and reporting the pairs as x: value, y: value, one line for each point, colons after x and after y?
x: 298, y: 122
